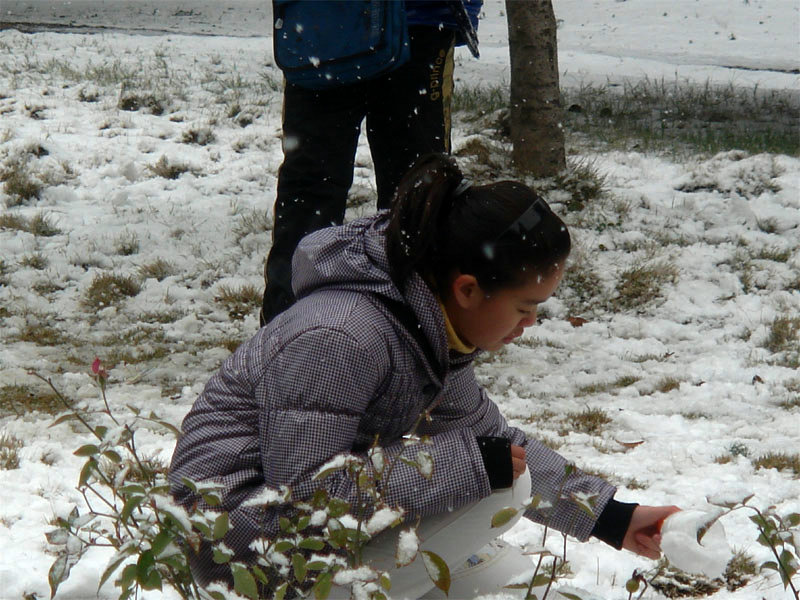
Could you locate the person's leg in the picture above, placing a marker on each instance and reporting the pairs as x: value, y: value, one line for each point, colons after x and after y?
x: 454, y: 536
x: 408, y: 114
x: 320, y: 134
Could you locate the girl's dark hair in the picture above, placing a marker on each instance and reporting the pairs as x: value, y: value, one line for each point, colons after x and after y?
x: 500, y: 233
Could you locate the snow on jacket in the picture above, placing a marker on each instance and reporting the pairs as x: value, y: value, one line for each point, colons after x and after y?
x: 337, y: 369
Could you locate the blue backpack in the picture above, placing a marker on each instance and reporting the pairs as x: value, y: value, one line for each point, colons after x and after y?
x: 321, y: 44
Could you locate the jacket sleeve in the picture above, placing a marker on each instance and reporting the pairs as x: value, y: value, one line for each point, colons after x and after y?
x: 465, y: 404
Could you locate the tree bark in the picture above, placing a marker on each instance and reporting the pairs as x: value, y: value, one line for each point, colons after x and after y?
x: 536, y: 113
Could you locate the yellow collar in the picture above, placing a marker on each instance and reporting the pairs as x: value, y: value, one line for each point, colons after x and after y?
x: 453, y: 341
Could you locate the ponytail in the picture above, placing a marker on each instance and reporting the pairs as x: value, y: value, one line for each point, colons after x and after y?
x: 500, y: 233
x: 420, y: 205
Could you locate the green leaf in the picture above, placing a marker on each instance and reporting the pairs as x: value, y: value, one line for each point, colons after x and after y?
x: 584, y: 502
x: 113, y: 456
x: 437, y: 570
x: 320, y: 498
x: 386, y: 582
x: 130, y: 505
x: 151, y: 580
x: 128, y: 576
x: 787, y: 570
x: 569, y: 596
x: 59, y: 571
x: 794, y: 519
x: 280, y: 591
x: 57, y: 537
x: 161, y: 541
x: 283, y: 545
x: 541, y: 580
x: 87, y: 450
x: 299, y: 566
x: 130, y: 489
x: 409, y: 462
x: 503, y: 516
x: 86, y: 472
x: 285, y: 524
x: 64, y: 419
x: 260, y: 575
x: 303, y: 522
x: 632, y: 585
x: 338, y: 507
x: 770, y: 564
x: 323, y: 586
x: 316, y: 565
x: 211, y: 498
x: 146, y: 562
x: 221, y: 526
x: 312, y: 544
x: 113, y: 565
x: 535, y: 501
x: 170, y: 427
x: 243, y: 581
x: 221, y: 557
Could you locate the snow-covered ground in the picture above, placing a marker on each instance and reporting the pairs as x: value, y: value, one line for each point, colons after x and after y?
x: 687, y: 375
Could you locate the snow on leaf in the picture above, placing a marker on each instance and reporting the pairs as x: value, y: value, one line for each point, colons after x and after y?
x: 407, y: 547
x: 437, y: 570
x: 425, y: 464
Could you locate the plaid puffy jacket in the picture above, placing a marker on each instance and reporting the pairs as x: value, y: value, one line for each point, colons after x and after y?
x: 333, y: 372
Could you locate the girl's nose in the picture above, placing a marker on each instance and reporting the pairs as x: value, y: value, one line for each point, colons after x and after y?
x: 529, y: 319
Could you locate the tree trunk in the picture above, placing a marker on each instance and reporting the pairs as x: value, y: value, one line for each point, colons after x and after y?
x: 536, y: 112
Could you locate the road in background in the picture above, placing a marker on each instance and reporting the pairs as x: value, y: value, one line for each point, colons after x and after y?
x: 243, y: 18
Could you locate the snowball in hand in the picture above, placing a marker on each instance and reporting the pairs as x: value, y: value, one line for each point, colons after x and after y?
x: 679, y: 543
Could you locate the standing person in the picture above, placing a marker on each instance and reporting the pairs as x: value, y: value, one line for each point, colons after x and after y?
x: 407, y: 111
x: 391, y: 311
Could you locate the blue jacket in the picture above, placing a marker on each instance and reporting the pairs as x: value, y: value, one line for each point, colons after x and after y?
x: 436, y: 12
x: 439, y: 13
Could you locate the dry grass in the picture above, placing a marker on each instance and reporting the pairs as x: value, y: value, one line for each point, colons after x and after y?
x: 38, y: 225
x: 158, y: 269
x: 168, y: 170
x: 605, y: 387
x: 784, y: 333
x: 126, y: 243
x: 642, y: 284
x: 21, y: 399
x: 35, y: 260
x: 9, y: 452
x: 19, y: 184
x: 667, y: 384
x: 782, y: 461
x: 239, y: 301
x: 109, y: 289
x: 589, y: 420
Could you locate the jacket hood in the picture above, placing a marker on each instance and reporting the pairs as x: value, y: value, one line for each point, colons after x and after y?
x: 352, y: 257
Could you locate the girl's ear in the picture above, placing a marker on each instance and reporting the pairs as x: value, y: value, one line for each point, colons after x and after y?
x: 466, y: 291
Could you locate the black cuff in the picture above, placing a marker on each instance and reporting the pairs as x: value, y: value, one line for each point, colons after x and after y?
x: 496, y: 454
x: 613, y: 522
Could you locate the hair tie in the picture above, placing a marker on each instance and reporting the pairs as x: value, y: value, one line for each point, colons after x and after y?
x: 462, y: 187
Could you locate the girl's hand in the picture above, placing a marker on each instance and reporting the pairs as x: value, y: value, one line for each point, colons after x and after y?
x: 644, y: 532
x: 518, y: 463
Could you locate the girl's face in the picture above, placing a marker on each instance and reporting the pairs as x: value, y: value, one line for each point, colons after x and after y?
x: 489, y: 321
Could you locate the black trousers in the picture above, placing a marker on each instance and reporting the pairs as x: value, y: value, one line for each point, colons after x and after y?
x: 407, y: 115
